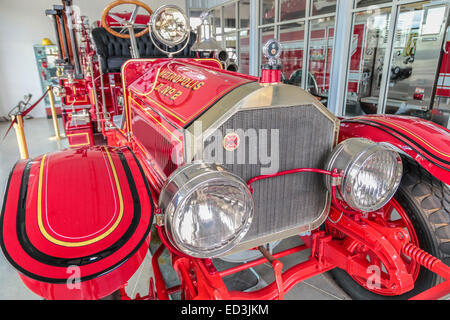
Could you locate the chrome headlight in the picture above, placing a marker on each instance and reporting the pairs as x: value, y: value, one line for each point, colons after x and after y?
x: 371, y: 173
x: 170, y: 25
x: 207, y: 210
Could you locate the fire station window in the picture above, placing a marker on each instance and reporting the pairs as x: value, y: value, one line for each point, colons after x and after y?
x: 194, y: 18
x: 320, y: 7
x: 217, y: 22
x: 267, y: 11
x: 292, y: 37
x: 229, y: 16
x: 419, y: 35
x: 244, y: 52
x: 366, y: 3
x: 244, y: 13
x: 320, y: 55
x: 230, y: 41
x: 219, y: 38
x: 367, y: 50
x: 266, y: 34
x: 292, y: 9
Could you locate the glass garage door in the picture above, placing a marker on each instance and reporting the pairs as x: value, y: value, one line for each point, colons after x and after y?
x: 395, y: 57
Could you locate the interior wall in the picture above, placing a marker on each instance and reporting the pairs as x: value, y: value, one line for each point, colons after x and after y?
x: 23, y: 23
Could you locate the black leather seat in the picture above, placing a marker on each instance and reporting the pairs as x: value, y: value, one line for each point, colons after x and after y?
x: 114, y: 51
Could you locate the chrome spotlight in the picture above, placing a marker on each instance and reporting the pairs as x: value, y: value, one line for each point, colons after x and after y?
x: 170, y: 25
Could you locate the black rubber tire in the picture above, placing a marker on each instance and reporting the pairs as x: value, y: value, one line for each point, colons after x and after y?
x: 426, y: 200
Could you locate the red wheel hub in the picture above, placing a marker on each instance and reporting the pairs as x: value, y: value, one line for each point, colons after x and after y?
x: 378, y: 277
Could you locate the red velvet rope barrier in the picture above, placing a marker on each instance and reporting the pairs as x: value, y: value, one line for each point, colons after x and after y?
x: 25, y: 113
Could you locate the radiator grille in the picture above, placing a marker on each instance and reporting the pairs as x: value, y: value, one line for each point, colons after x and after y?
x: 305, y: 138
x: 155, y: 141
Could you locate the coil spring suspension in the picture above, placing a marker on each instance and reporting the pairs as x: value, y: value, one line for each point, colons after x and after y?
x: 427, y: 260
x: 433, y: 264
x: 420, y: 256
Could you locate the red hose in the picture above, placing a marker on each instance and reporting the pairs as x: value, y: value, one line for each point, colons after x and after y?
x: 333, y: 174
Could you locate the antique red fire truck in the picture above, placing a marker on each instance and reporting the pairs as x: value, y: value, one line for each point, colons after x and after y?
x: 218, y: 164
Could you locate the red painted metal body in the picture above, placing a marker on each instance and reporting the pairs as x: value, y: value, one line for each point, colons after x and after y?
x: 270, y: 75
x: 181, y: 89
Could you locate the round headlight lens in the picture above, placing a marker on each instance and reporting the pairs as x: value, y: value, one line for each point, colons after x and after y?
x: 170, y: 25
x: 207, y: 209
x: 371, y: 173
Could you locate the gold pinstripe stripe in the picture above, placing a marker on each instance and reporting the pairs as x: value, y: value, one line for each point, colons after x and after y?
x: 80, y: 243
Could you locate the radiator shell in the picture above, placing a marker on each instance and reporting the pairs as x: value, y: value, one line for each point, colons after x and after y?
x: 307, y: 132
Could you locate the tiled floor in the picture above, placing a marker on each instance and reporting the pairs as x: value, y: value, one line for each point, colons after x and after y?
x: 37, y: 131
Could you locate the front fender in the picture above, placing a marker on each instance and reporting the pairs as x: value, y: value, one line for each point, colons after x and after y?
x: 75, y: 223
x: 422, y: 140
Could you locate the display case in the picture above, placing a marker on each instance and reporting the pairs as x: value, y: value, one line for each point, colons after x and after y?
x: 46, y: 57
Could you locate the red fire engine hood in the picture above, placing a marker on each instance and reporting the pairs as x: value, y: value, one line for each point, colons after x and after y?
x: 182, y: 89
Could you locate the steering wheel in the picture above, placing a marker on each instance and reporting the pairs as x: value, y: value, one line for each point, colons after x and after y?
x: 125, y: 24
